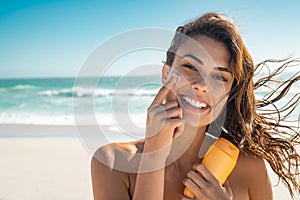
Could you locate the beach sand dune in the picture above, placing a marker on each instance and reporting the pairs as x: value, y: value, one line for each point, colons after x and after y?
x: 51, y: 163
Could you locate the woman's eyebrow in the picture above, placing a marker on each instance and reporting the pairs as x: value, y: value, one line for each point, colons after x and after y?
x: 194, y: 58
x: 223, y: 69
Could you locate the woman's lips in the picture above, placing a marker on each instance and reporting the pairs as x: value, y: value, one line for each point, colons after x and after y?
x: 193, y: 104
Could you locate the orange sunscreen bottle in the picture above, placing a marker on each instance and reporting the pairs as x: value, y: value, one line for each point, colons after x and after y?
x: 220, y: 159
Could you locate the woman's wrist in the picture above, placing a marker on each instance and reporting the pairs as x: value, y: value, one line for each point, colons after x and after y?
x: 153, y: 160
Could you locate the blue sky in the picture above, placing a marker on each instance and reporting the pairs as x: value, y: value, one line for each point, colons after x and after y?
x: 53, y: 38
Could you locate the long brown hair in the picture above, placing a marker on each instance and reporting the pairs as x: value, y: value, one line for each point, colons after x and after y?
x: 258, y: 126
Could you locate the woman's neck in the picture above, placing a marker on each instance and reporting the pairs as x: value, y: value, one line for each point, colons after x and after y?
x: 186, y: 146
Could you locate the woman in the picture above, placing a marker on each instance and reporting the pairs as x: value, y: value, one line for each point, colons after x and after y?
x: 208, y: 85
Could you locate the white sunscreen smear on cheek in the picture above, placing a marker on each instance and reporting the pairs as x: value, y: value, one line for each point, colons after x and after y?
x: 178, y: 77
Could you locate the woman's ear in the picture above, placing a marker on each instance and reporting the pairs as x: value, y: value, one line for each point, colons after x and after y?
x: 165, y: 73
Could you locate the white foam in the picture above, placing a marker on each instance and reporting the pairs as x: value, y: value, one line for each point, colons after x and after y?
x: 137, y: 120
x: 98, y: 92
x: 26, y: 118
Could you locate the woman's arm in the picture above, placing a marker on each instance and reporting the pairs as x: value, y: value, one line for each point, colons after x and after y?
x: 151, y: 176
x: 259, y: 182
x: 163, y: 119
x: 108, y: 183
x: 150, y: 185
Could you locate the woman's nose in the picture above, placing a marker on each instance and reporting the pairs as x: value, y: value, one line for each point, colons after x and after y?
x: 199, y: 84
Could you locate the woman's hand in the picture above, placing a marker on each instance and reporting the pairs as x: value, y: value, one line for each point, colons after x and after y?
x: 205, y: 186
x: 164, y: 120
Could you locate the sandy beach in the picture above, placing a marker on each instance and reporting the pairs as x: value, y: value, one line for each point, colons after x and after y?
x: 51, y: 162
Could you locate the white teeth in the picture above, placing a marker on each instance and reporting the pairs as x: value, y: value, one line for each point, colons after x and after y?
x: 194, y: 103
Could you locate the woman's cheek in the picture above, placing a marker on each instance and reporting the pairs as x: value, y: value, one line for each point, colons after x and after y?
x: 218, y: 105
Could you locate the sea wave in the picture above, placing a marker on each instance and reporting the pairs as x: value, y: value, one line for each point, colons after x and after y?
x: 91, y: 92
x: 42, y: 119
x: 19, y: 87
x: 36, y: 119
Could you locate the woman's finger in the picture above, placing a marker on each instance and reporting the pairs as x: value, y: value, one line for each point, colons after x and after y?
x: 162, y: 93
x: 174, y: 123
x: 198, y: 179
x: 184, y: 198
x: 193, y: 187
x: 170, y: 104
x: 179, y: 129
x: 227, y: 188
x: 173, y: 112
x: 158, y: 108
x: 206, y: 174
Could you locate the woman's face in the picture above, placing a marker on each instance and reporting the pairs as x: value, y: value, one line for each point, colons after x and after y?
x: 206, y: 80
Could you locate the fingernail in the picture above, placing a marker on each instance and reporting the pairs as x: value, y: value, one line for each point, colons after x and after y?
x: 195, y: 165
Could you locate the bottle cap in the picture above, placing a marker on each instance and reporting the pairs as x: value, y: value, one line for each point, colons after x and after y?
x: 229, y: 148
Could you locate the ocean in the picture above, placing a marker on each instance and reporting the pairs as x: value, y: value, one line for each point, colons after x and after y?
x: 51, y: 101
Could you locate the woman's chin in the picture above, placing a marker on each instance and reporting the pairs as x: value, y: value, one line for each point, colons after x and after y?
x: 196, y: 120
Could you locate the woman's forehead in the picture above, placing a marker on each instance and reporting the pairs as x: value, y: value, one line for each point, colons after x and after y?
x: 194, y: 48
x: 203, y: 48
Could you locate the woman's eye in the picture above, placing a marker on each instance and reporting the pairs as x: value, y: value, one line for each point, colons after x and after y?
x: 191, y: 67
x: 219, y: 77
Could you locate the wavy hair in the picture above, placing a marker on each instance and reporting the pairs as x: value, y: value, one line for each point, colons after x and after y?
x: 256, y: 125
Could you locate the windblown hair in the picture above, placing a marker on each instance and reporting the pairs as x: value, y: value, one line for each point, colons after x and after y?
x: 258, y: 126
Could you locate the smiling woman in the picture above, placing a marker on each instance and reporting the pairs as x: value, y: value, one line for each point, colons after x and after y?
x: 203, y: 82
x: 208, y: 88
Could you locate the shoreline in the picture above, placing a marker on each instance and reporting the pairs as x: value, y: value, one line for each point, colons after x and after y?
x: 35, y: 130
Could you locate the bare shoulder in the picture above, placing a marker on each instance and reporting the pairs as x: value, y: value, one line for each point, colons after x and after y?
x: 252, y: 172
x: 131, y: 147
x: 251, y: 162
x: 115, y: 153
x: 111, y: 168
x: 248, y: 168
